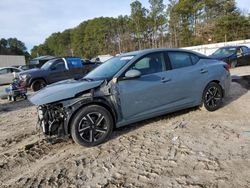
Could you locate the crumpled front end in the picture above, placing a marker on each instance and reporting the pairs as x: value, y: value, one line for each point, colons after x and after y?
x: 51, y: 119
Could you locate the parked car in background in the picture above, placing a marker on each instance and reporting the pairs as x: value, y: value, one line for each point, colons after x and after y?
x: 233, y: 55
x: 54, y: 70
x: 128, y: 88
x: 7, y: 74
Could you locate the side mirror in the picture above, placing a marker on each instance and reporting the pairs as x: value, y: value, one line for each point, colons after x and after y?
x: 132, y: 74
x: 52, y: 68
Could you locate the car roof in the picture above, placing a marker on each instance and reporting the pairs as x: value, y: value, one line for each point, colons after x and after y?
x: 151, y: 50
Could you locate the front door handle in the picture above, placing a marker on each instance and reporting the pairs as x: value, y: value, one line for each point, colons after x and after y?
x: 202, y: 71
x: 164, y: 80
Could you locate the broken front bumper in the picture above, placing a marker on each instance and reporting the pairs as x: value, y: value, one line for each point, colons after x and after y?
x: 51, y: 120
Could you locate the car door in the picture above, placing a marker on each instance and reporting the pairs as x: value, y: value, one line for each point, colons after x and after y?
x: 6, y: 76
x: 58, y: 71
x: 144, y: 96
x: 188, y: 78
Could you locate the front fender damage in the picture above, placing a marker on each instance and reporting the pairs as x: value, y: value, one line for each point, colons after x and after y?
x: 55, y: 118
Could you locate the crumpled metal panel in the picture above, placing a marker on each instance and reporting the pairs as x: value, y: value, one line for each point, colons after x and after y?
x: 62, y: 90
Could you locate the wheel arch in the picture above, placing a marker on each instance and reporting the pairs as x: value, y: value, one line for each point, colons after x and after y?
x: 97, y: 101
x: 38, y: 78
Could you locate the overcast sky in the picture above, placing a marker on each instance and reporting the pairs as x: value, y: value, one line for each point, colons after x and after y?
x: 32, y: 21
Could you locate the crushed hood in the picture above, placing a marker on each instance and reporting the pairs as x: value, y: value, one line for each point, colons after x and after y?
x: 62, y: 90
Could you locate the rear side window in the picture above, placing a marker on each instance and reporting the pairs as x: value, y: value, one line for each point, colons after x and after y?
x: 181, y: 59
x: 74, y: 62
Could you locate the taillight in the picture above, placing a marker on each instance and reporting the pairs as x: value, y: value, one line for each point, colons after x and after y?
x: 227, y: 67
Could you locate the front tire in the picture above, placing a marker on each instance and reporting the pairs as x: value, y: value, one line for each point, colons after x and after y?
x: 212, y: 96
x: 38, y: 84
x: 92, y: 125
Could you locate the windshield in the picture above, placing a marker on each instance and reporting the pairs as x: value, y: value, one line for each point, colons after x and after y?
x: 109, y: 68
x: 225, y: 51
x: 47, y: 65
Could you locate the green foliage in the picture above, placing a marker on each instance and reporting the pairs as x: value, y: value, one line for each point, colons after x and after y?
x: 13, y: 46
x: 178, y: 24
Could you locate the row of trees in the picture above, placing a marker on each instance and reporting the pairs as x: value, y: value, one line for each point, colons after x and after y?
x: 177, y: 24
x: 13, y: 46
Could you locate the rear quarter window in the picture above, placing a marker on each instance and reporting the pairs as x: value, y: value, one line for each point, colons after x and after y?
x: 194, y: 58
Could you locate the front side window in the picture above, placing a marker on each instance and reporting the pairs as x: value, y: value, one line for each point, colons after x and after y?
x: 59, y: 65
x: 180, y: 59
x: 150, y: 64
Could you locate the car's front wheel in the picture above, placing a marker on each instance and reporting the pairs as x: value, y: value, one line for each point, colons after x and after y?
x: 38, y: 84
x: 212, y: 96
x: 92, y: 125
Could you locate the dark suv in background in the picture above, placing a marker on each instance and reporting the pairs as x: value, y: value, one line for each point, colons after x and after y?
x: 233, y: 55
x: 55, y: 70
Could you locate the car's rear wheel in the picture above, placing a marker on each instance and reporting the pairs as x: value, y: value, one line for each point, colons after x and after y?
x: 212, y: 96
x: 38, y: 84
x: 92, y: 125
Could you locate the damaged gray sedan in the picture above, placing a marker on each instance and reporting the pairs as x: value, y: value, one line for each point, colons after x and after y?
x: 129, y: 88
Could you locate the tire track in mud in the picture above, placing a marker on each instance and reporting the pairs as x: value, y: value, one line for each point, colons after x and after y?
x: 30, y: 157
x: 109, y: 165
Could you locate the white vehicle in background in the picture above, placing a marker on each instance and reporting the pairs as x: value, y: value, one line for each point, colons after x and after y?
x: 101, y: 58
x: 7, y: 74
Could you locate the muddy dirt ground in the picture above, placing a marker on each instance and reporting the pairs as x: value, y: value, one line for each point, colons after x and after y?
x: 191, y: 148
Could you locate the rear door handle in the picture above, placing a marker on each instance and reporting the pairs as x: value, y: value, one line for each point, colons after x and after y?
x: 164, y: 80
x: 202, y: 71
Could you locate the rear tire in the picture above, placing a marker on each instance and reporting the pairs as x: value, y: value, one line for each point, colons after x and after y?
x: 212, y: 97
x: 38, y: 84
x: 91, y: 126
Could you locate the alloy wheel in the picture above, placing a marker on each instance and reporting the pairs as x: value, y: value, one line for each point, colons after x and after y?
x: 92, y: 127
x: 213, y: 97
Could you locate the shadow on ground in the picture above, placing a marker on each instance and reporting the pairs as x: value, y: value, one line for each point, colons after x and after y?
x: 9, y: 106
x: 237, y: 90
